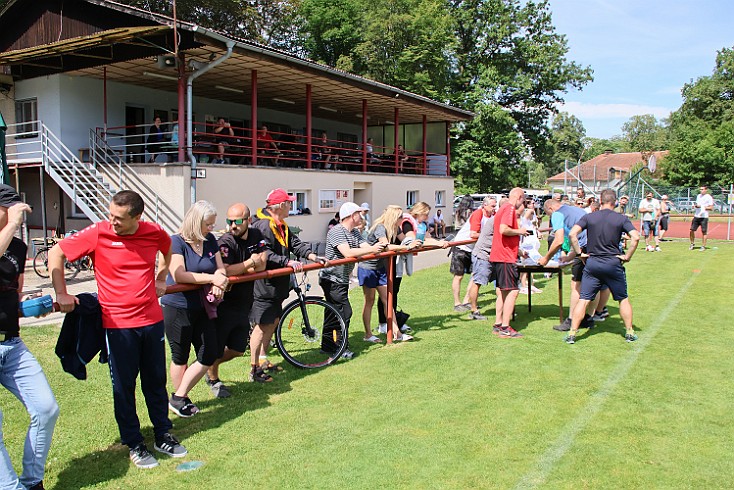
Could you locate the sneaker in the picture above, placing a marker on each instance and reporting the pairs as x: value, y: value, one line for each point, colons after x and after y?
x: 587, y: 322
x: 630, y: 337
x: 565, y: 326
x: 657, y: 249
x: 37, y: 486
x: 570, y: 339
x: 347, y: 354
x: 219, y: 390
x: 142, y: 458
x: 523, y: 290
x: 604, y: 313
x: 382, y: 328
x: 509, y: 333
x: 702, y: 249
x: 183, y: 407
x: 691, y: 247
x: 462, y: 307
x: 598, y: 317
x: 257, y: 375
x: 496, y: 328
x: 475, y: 315
x: 406, y: 328
x: 535, y: 290
x: 170, y: 446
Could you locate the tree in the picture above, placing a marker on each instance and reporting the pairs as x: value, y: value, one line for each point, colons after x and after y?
x: 597, y: 146
x: 702, y: 130
x: 566, y: 140
x: 644, y: 133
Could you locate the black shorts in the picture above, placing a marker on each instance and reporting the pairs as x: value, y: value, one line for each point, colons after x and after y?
x: 505, y: 275
x: 185, y: 328
x: 233, y: 329
x: 577, y: 269
x: 460, y: 262
x: 266, y: 311
x: 664, y: 222
x: 702, y: 222
x: 604, y: 271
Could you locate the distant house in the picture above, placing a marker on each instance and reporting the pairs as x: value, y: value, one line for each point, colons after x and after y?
x: 608, y: 170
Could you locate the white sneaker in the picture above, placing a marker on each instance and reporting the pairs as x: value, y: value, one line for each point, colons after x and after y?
x: 406, y: 328
x: 523, y: 290
x: 382, y: 328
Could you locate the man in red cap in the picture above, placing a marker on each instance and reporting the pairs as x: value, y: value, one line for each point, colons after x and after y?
x: 269, y: 294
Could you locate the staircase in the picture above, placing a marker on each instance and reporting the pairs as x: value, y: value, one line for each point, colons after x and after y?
x: 112, y: 164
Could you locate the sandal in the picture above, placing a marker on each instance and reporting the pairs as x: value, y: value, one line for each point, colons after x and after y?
x: 404, y: 338
x: 374, y: 339
x: 269, y: 366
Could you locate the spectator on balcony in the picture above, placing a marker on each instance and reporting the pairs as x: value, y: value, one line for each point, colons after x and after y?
x: 323, y: 151
x: 155, y: 140
x: 266, y: 145
x: 223, y: 133
x: 372, y: 157
x: 403, y: 158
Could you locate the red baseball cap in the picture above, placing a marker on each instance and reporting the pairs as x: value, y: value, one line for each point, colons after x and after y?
x: 278, y: 196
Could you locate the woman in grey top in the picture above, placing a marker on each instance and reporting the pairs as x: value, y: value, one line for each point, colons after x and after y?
x: 372, y: 274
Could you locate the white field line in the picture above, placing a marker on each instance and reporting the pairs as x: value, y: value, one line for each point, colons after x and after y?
x: 565, y: 440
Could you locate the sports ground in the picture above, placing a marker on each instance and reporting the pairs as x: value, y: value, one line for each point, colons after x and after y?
x: 457, y: 407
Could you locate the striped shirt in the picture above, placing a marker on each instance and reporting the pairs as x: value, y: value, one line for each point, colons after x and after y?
x: 336, y: 236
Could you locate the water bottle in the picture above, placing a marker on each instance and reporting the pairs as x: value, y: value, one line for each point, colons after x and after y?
x: 421, y: 233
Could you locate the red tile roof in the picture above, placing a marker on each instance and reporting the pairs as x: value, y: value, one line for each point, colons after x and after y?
x: 600, y: 165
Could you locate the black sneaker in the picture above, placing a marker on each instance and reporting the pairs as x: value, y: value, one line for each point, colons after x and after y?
x: 587, y: 322
x: 183, y: 407
x: 565, y: 326
x: 170, y: 446
x: 630, y: 337
x: 570, y: 339
x: 37, y: 486
x: 257, y: 375
x: 475, y: 315
x: 218, y: 388
x: 142, y: 458
x: 347, y: 354
x: 496, y: 328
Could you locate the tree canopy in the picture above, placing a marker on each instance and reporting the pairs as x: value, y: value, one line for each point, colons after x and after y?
x: 702, y: 130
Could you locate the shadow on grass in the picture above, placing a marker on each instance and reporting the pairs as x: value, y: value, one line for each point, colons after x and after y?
x: 95, y: 468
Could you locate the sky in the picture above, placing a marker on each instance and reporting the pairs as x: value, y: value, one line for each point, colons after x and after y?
x: 642, y: 53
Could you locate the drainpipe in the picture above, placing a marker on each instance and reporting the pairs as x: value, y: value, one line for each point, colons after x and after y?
x: 189, y: 108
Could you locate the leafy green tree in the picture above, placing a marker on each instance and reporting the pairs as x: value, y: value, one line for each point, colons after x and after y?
x: 597, y: 146
x: 702, y: 130
x: 567, y: 141
x: 645, y: 133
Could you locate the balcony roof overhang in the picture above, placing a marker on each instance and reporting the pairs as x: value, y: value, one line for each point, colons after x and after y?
x: 128, y: 54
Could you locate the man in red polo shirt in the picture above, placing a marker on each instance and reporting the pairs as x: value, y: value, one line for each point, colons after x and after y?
x: 123, y: 251
x: 503, y: 259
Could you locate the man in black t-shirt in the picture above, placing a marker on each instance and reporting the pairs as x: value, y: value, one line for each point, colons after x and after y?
x: 20, y: 372
x: 604, y: 261
x: 241, y: 254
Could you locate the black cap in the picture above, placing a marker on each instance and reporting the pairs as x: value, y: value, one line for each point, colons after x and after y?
x: 8, y: 196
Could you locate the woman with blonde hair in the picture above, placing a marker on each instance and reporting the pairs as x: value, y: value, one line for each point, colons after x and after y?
x: 187, y: 316
x: 372, y: 274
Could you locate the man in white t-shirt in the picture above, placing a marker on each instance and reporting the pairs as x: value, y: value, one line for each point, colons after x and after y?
x: 650, y: 210
x: 704, y: 204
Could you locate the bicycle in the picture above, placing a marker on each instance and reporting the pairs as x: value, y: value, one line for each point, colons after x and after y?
x: 304, y: 321
x: 40, y: 260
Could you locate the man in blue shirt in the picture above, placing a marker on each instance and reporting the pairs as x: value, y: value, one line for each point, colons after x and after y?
x: 604, y: 262
x: 563, y: 218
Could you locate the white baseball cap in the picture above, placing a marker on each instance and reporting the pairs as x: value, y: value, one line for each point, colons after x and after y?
x: 348, y: 209
x: 366, y: 205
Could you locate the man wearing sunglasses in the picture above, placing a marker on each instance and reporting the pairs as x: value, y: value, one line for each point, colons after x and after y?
x: 242, y: 253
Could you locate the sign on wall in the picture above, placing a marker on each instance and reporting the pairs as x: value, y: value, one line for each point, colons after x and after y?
x: 332, y: 200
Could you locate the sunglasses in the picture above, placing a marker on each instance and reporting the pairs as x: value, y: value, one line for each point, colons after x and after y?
x: 238, y: 221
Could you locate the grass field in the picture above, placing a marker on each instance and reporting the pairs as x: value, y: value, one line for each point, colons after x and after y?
x: 456, y: 408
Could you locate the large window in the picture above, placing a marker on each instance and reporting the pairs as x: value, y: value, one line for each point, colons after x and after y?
x: 26, y: 114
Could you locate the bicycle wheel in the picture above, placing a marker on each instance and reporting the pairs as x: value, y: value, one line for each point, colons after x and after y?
x: 40, y: 263
x: 300, y: 333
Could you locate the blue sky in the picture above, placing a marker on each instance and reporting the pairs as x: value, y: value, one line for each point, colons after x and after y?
x: 642, y: 53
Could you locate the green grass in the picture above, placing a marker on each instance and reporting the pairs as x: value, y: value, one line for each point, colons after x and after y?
x: 456, y: 408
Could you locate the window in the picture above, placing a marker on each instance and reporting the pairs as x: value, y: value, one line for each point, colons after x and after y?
x: 301, y: 202
x: 26, y: 111
x: 440, y: 199
x: 411, y: 198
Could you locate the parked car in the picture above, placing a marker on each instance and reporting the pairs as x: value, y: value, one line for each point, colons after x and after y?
x: 684, y: 205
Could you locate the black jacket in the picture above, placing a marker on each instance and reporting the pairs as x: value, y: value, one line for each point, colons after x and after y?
x: 82, y: 337
x: 278, y: 255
